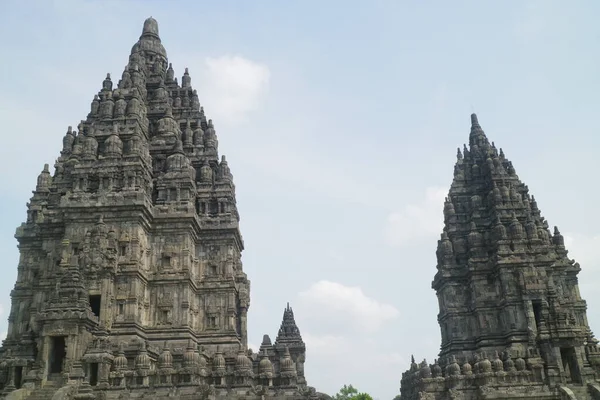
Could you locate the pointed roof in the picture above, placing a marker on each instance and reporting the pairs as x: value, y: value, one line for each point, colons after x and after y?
x: 486, y: 192
x: 493, y: 228
x: 288, y: 332
x: 149, y: 39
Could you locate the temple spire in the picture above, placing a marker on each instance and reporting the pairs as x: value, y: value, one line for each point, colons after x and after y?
x: 478, y: 142
x: 490, y: 219
x: 288, y: 332
x: 474, y: 121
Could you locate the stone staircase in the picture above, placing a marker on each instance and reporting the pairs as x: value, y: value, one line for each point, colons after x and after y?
x: 580, y: 391
x: 44, y: 393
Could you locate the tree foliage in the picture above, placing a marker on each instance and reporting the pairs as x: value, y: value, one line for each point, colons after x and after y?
x: 349, y: 392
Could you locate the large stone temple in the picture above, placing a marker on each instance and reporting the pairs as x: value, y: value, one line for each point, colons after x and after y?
x: 513, y: 323
x: 130, y: 282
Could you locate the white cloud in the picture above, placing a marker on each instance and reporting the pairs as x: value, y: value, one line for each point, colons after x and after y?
x: 233, y: 87
x: 327, y: 345
x: 340, y: 305
x: 417, y: 221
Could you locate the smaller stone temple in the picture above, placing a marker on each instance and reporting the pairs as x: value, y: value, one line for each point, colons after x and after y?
x: 513, y: 323
x: 130, y: 281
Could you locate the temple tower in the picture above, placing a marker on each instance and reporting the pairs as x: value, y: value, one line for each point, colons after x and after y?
x: 507, y: 291
x: 130, y: 274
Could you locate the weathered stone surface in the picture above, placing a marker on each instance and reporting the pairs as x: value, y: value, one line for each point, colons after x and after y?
x: 512, y: 320
x: 130, y: 281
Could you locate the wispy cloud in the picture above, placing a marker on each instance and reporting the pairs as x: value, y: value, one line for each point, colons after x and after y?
x: 327, y: 301
x: 417, y: 221
x: 233, y: 86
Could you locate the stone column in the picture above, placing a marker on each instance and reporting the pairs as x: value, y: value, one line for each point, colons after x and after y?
x: 104, y: 373
x: 244, y: 325
x: 580, y: 363
x: 105, y: 303
x: 11, y: 379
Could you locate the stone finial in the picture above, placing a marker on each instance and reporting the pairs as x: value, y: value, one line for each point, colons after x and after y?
x: 558, y: 238
x: 120, y: 361
x: 287, y: 365
x: 68, y: 140
x: 107, y: 83
x: 265, y: 367
x: 186, y: 80
x: 436, y: 370
x: 44, y: 180
x: 165, y: 359
x: 95, y: 105
x: 170, y: 73
x: 150, y: 28
x: 178, y: 148
x: 188, y: 134
x: 266, y: 341
x: 195, y: 101
x: 474, y: 121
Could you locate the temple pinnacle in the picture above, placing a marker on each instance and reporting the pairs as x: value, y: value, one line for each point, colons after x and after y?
x: 150, y: 27
x: 116, y: 150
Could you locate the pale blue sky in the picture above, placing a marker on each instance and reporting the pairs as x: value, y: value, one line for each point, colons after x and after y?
x: 340, y: 121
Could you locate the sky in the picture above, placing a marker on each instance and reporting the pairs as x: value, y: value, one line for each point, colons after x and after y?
x: 340, y: 122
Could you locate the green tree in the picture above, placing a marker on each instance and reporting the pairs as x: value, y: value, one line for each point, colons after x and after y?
x: 349, y: 392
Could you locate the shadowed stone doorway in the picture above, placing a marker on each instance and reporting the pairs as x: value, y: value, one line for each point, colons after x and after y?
x: 57, y: 354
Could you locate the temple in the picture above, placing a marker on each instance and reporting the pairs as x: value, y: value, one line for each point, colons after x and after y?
x: 130, y: 281
x: 513, y: 323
